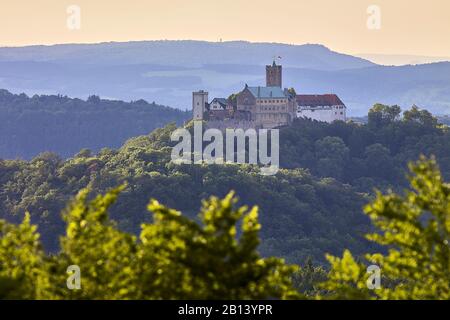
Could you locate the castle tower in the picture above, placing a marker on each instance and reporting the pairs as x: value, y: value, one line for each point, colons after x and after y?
x: 199, y: 101
x: 274, y: 75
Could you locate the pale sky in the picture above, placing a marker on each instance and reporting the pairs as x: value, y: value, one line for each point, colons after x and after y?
x: 414, y: 27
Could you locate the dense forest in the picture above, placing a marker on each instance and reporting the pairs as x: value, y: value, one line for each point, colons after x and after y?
x: 31, y: 125
x: 367, y: 156
x: 313, y: 206
x: 176, y: 257
x: 303, y: 216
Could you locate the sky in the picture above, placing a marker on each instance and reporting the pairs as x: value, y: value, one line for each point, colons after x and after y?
x: 402, y: 27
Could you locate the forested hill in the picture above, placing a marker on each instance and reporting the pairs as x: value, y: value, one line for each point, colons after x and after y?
x: 371, y: 155
x: 31, y: 125
x: 311, y: 207
x: 302, y: 216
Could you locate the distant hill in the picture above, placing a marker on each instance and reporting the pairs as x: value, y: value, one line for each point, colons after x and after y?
x: 186, y: 53
x: 31, y: 125
x: 426, y: 85
x: 168, y: 72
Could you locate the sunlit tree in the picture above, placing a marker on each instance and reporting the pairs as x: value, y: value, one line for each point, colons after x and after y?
x: 415, y: 229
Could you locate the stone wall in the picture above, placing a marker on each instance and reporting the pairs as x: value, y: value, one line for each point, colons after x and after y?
x: 232, y: 124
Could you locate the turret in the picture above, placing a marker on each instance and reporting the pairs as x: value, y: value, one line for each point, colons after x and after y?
x: 199, y: 101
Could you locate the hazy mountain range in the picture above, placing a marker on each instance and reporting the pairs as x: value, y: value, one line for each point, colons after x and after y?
x: 168, y: 71
x: 401, y: 59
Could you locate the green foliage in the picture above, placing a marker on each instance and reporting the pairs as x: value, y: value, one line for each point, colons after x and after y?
x: 104, y: 254
x: 415, y: 229
x: 176, y: 257
x: 233, y: 99
x: 381, y: 115
x: 305, y: 213
x: 216, y: 256
x: 21, y: 261
x: 209, y: 260
x: 332, y: 154
x: 366, y: 155
x: 422, y: 117
x: 292, y: 92
x: 304, y: 216
x: 308, y: 279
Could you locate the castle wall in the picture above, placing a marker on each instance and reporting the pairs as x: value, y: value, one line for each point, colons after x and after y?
x: 232, y: 124
x: 324, y: 114
x: 272, y: 120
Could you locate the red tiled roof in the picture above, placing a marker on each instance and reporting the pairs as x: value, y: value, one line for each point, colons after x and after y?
x: 315, y: 100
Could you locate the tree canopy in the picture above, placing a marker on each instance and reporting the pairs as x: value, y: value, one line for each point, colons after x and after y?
x: 174, y: 258
x: 216, y: 256
x: 415, y: 229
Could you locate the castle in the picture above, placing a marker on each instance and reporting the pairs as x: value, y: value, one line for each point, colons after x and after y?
x: 266, y: 107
